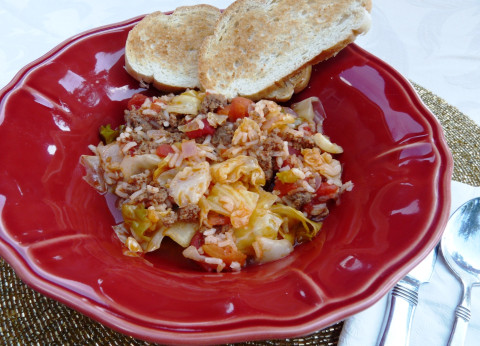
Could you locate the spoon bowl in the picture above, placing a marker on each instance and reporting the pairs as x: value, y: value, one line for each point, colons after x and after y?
x: 460, y: 247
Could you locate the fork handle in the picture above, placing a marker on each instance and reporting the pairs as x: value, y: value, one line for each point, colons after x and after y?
x: 399, y: 315
x: 462, y: 317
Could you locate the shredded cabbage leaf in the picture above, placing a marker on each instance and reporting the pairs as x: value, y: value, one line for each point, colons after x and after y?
x: 186, y: 103
x: 305, y: 108
x: 136, y: 219
x: 267, y: 250
x: 303, y: 227
x: 277, y: 119
x: 249, y: 127
x: 182, y: 232
x: 132, y: 165
x: 263, y: 223
x: 215, y: 119
x: 110, y: 153
x: 324, y: 164
x: 148, y: 231
x: 94, y: 172
x: 155, y: 241
x: 241, y: 168
x: 232, y: 200
x: 161, y: 168
x: 189, y: 185
x: 164, y: 176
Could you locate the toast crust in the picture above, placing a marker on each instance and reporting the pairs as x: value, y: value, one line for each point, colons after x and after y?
x: 259, y: 44
x: 163, y: 49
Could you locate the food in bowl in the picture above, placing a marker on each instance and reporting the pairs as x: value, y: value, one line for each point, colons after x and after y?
x: 233, y: 183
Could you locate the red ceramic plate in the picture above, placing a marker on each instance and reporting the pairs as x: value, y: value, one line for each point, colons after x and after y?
x: 56, y: 230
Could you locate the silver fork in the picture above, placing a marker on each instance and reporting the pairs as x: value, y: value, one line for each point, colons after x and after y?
x: 403, y: 301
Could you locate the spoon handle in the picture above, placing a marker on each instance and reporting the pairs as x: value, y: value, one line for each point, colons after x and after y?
x: 462, y: 317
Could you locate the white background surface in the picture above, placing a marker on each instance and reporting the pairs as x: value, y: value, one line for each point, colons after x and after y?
x: 435, y: 43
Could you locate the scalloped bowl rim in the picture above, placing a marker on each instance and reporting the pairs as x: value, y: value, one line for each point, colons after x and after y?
x: 22, y: 267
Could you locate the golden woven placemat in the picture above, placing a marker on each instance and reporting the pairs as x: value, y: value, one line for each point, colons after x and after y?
x: 27, y: 317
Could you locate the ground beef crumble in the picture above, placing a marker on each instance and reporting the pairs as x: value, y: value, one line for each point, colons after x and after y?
x: 189, y: 213
x: 211, y: 102
x: 269, y: 165
x: 266, y: 163
x: 170, y: 218
x: 298, y: 199
x: 224, y: 135
x: 172, y: 120
x: 161, y: 195
x: 296, y: 142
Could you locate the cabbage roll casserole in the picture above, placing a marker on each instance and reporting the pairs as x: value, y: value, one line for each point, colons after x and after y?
x: 233, y: 183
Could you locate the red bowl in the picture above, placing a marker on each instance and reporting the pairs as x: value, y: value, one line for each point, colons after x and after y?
x: 56, y: 230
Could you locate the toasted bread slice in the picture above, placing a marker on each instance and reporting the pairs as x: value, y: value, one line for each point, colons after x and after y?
x: 163, y: 49
x: 258, y: 44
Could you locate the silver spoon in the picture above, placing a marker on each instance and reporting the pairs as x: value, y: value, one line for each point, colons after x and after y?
x: 460, y: 247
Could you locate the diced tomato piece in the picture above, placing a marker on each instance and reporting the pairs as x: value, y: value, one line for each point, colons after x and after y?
x: 325, y: 192
x: 284, y: 188
x: 197, y: 240
x: 164, y: 149
x: 136, y: 101
x: 227, y: 253
x: 156, y: 107
x: 289, y: 160
x: 224, y: 111
x: 308, y: 208
x: 207, y: 130
x: 239, y: 108
x: 215, y: 219
x: 308, y: 131
x: 293, y: 151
